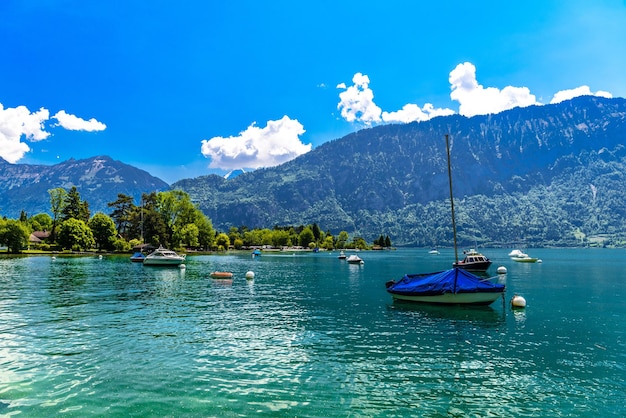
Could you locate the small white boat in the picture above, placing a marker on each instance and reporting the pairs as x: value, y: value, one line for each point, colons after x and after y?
x: 342, y: 255
x: 517, y: 253
x: 521, y: 257
x: 163, y: 257
x: 355, y: 259
x: 525, y: 259
x: 434, y: 251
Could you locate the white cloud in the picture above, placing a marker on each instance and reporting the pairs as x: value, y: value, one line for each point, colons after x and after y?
x: 357, y: 105
x: 357, y: 101
x: 257, y: 147
x: 74, y: 123
x: 578, y: 91
x: 15, y: 123
x: 475, y: 99
x: 412, y: 112
x: 19, y: 123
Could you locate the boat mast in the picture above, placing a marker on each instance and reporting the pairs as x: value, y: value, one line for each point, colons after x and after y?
x: 456, y: 254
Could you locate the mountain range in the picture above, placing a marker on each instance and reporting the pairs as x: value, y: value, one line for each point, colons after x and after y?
x: 97, y: 179
x: 539, y: 175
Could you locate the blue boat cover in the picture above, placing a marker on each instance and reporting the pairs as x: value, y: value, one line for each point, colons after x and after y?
x: 455, y: 280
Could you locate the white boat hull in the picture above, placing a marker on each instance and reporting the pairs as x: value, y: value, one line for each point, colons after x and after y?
x: 161, y: 262
x: 164, y: 257
x: 524, y: 259
x: 452, y: 298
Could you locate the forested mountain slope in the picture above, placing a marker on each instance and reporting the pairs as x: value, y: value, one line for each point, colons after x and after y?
x: 542, y: 175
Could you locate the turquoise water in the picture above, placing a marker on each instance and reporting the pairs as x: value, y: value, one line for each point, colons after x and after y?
x: 310, y: 336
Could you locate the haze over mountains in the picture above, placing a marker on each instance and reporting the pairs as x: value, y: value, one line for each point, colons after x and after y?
x: 540, y: 175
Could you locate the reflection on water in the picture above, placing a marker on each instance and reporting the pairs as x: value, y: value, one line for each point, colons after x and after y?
x: 475, y: 315
x: 309, y: 336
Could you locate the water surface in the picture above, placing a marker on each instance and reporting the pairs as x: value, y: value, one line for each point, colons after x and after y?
x: 310, y: 336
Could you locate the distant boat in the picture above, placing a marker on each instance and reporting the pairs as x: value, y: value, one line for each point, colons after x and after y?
x: 517, y: 253
x: 454, y: 286
x: 355, y: 259
x: 164, y: 257
x: 342, y: 255
x: 525, y: 259
x: 520, y: 257
x: 473, y: 261
x: 138, y: 257
x: 434, y: 251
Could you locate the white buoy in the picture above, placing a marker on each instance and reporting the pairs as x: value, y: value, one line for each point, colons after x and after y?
x: 250, y: 275
x: 539, y: 261
x: 100, y: 257
x: 53, y: 258
x: 501, y: 270
x: 182, y: 266
x: 518, y: 301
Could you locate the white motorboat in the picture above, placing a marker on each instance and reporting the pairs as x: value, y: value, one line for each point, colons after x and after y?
x: 520, y: 257
x: 517, y: 253
x: 354, y: 259
x: 163, y: 257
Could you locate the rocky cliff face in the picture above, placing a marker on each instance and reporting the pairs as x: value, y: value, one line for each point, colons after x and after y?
x: 98, y: 180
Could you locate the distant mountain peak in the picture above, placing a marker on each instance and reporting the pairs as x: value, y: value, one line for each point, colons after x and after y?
x: 234, y: 173
x: 98, y: 179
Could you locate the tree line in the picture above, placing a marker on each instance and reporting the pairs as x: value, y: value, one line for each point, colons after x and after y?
x: 166, y: 219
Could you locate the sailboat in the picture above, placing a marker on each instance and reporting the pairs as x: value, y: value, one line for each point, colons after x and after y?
x: 454, y: 286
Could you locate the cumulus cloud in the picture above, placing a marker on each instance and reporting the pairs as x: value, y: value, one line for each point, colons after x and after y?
x: 357, y: 105
x: 16, y: 123
x: 412, y: 112
x: 276, y: 143
x: 475, y: 99
x: 578, y: 91
x: 74, y: 123
x: 357, y: 101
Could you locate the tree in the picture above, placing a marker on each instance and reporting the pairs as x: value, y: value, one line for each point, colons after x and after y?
x: 57, y: 203
x: 121, y: 215
x: 74, y: 207
x: 306, y: 237
x: 187, y: 235
x: 222, y: 241
x: 329, y: 242
x: 387, y: 242
x: 154, y: 228
x: 316, y: 232
x: 74, y: 234
x: 206, y: 234
x: 14, y: 234
x: 103, y: 230
x: 359, y: 243
x: 342, y: 239
x: 41, y: 222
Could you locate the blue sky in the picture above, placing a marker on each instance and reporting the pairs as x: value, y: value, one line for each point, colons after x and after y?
x: 188, y: 88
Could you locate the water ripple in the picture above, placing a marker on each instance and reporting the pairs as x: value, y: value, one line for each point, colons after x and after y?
x: 309, y: 336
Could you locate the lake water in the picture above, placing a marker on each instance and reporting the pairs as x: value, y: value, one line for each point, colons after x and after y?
x: 310, y: 336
